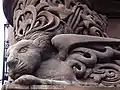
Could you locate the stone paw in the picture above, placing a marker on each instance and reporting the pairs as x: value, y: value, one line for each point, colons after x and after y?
x: 32, y: 80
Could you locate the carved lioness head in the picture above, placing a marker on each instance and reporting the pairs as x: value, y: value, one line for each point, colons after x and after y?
x: 23, y: 58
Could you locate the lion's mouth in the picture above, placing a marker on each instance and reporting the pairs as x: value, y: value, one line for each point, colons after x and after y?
x: 14, y: 75
x: 17, y: 72
x: 20, y: 69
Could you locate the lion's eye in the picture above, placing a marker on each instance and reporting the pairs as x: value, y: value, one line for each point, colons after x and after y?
x: 23, y: 50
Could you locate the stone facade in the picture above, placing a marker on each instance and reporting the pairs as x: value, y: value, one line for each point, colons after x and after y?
x: 61, y: 42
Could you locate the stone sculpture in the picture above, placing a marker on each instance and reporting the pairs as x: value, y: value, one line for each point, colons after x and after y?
x: 62, y: 42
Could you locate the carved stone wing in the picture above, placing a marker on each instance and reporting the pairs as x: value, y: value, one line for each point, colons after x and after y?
x: 96, y: 59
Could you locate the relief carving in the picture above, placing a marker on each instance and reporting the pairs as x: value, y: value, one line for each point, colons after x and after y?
x: 62, y: 42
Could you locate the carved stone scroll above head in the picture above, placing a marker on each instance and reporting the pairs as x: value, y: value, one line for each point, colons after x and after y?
x: 31, y: 18
x: 9, y: 9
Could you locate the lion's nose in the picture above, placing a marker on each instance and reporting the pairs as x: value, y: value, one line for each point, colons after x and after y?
x: 12, y: 63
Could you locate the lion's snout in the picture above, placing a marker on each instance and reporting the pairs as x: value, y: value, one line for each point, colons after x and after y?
x: 12, y: 63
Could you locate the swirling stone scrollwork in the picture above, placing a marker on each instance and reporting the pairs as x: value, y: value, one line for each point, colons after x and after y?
x: 62, y: 42
x: 35, y: 16
x: 107, y: 74
x: 31, y: 19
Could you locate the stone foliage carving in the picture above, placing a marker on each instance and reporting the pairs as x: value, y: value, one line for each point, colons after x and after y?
x: 62, y: 42
x: 31, y: 17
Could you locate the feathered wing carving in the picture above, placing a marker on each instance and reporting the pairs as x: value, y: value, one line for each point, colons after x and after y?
x: 92, y: 58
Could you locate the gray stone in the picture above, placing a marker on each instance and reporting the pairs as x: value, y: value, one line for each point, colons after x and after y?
x: 55, y: 87
x: 60, y: 42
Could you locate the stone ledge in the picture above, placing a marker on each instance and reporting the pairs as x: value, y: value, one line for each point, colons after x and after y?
x: 54, y: 87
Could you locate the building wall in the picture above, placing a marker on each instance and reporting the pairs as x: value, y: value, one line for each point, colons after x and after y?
x: 114, y: 28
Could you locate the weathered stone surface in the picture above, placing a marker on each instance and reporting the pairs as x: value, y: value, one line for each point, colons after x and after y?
x: 55, y: 87
x: 14, y: 87
x: 61, y: 42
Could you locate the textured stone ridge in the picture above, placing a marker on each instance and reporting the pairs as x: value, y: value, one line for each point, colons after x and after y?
x: 54, y: 87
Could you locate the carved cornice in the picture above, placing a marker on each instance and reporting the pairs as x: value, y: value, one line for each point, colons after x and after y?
x: 109, y: 7
x: 46, y: 16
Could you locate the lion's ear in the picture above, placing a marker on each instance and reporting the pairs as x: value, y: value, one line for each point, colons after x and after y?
x: 41, y: 41
x: 36, y: 42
